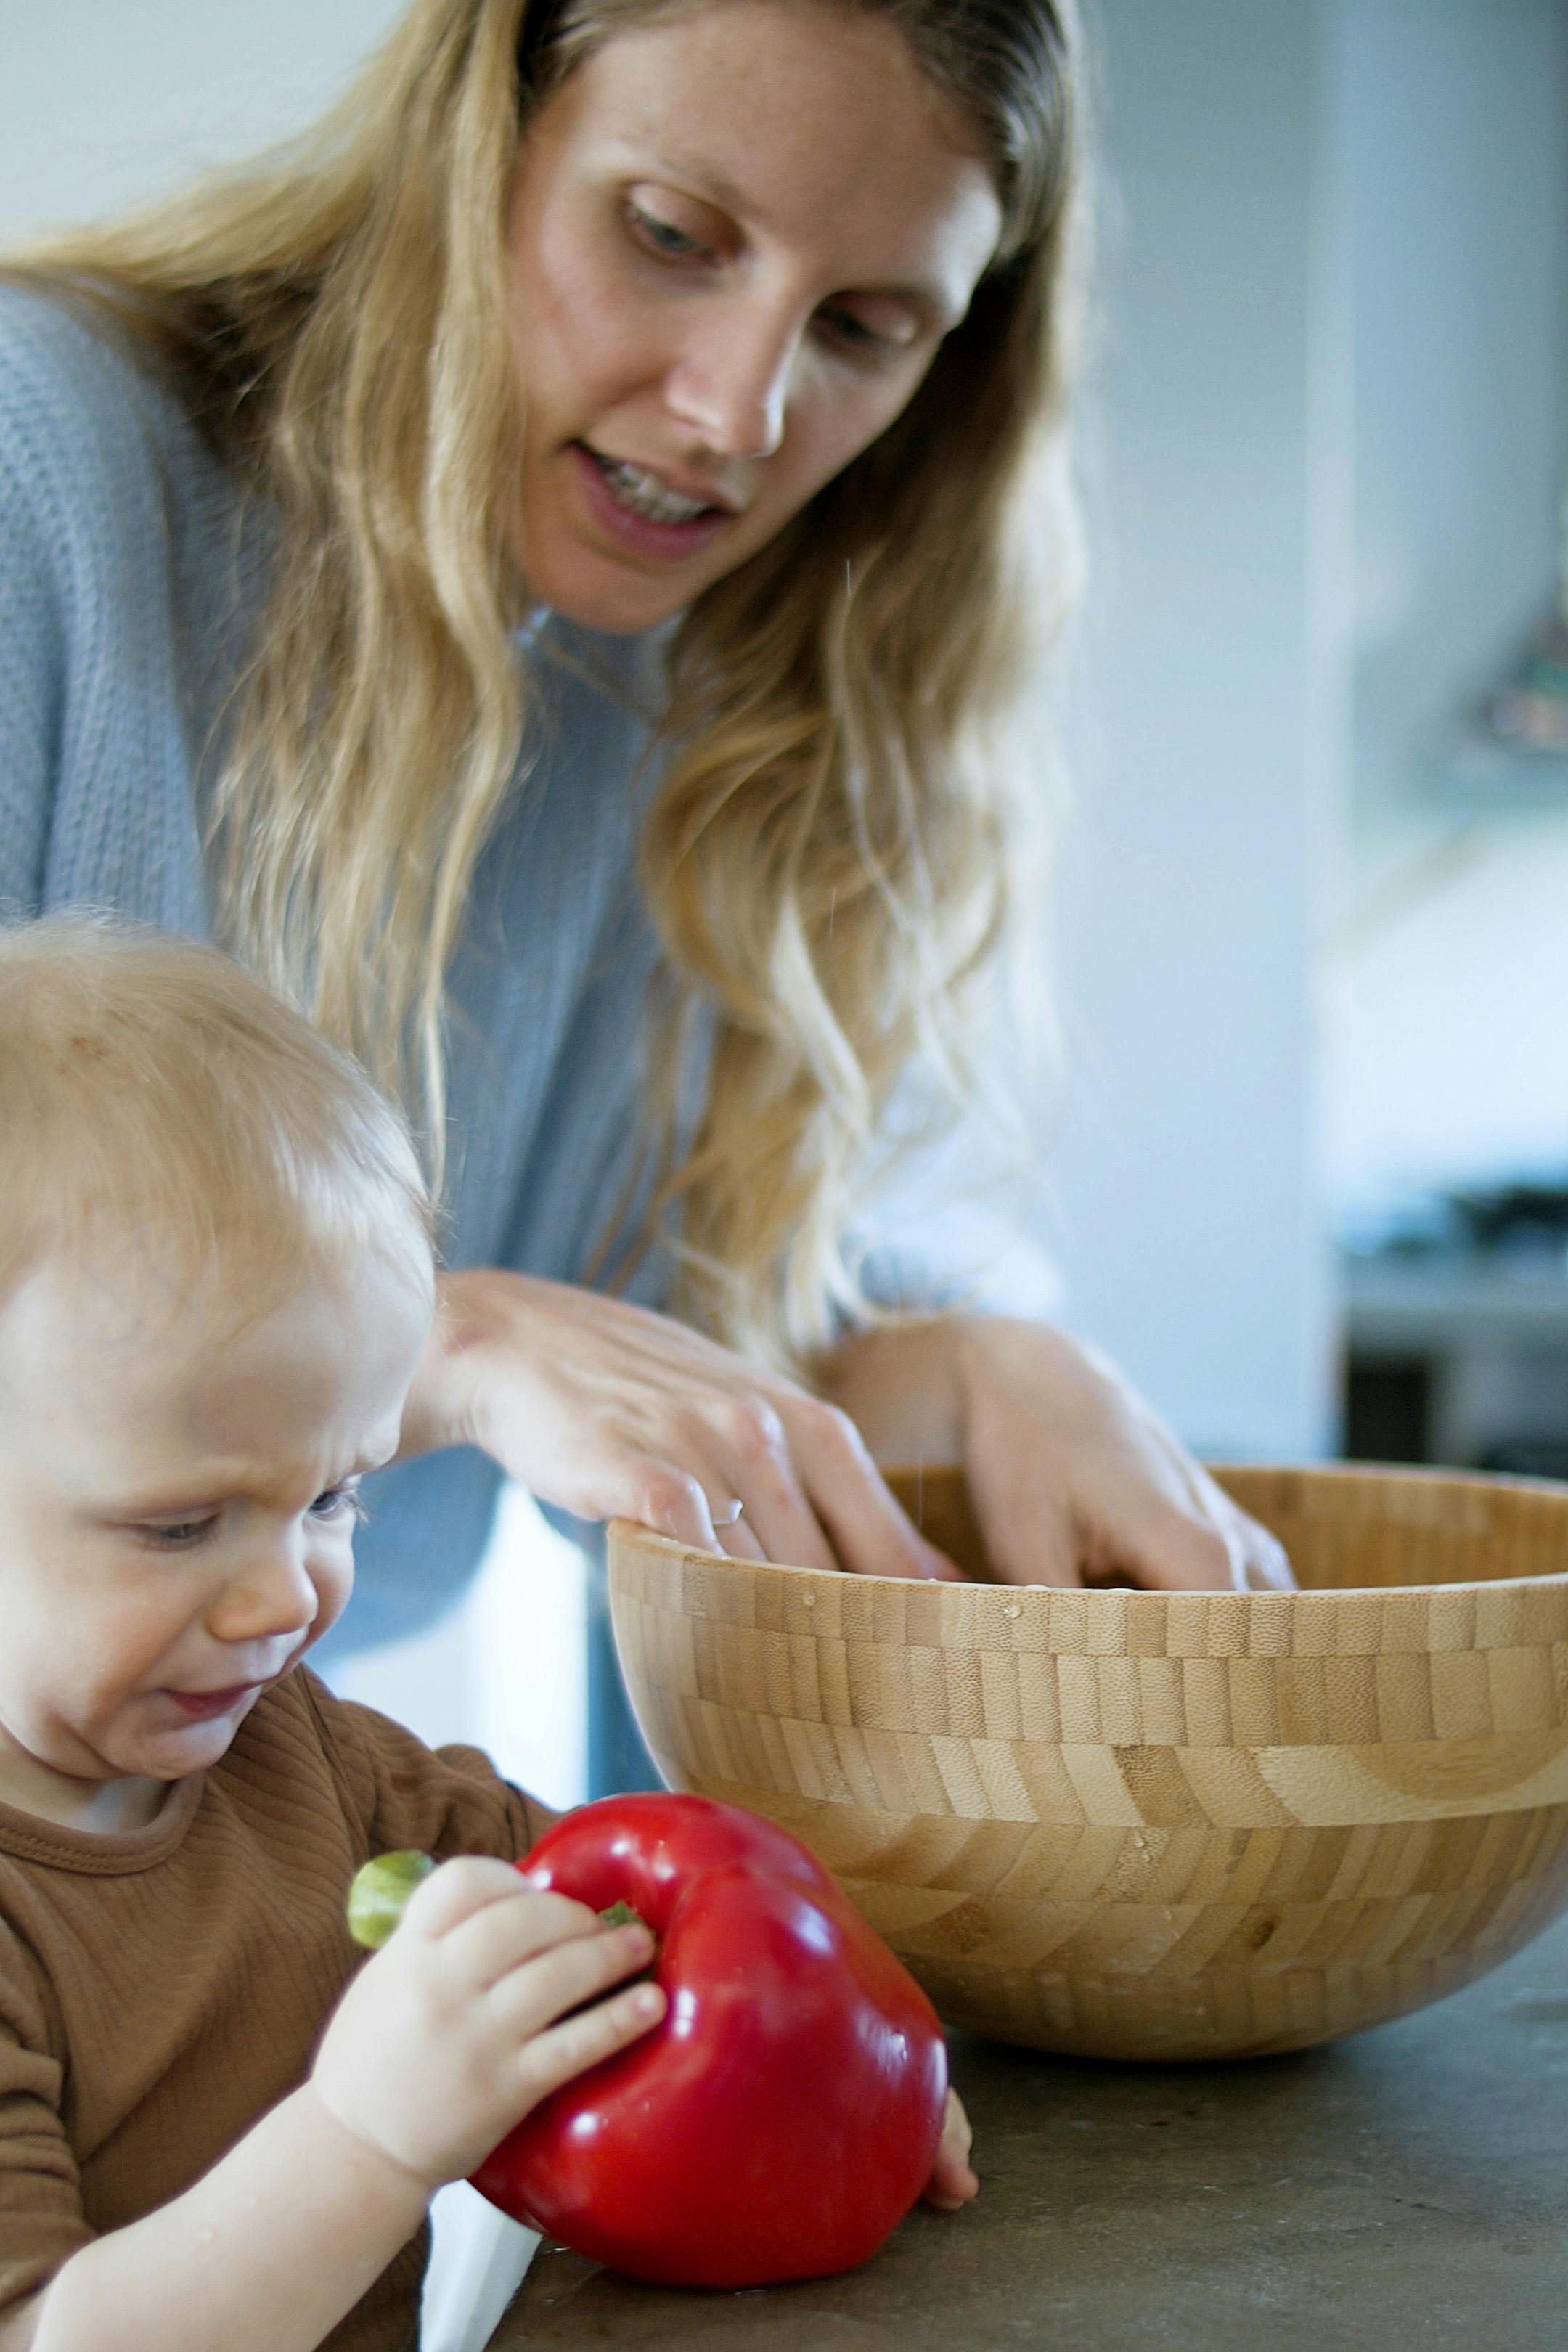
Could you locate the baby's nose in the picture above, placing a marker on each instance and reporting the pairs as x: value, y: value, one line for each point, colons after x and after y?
x: 273, y: 1594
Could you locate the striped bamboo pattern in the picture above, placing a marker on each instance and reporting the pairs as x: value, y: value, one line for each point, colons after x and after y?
x: 1148, y: 1825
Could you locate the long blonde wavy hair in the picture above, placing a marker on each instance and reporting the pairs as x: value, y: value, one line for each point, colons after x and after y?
x: 830, y: 852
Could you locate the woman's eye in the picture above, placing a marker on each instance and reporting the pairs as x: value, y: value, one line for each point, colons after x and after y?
x: 856, y: 336
x: 665, y: 238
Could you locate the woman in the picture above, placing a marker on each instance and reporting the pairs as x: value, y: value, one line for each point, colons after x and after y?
x: 539, y: 551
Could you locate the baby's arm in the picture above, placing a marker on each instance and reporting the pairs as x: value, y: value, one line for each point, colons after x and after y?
x: 442, y: 2042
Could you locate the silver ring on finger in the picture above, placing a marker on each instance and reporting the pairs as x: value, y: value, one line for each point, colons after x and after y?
x: 727, y: 1515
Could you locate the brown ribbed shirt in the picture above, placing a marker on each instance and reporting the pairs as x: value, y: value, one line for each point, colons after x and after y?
x: 161, y: 1989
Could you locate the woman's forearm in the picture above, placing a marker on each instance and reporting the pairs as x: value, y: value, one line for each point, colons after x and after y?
x: 269, y: 2249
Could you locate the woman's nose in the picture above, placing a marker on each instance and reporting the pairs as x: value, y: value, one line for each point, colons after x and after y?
x: 272, y: 1594
x: 730, y: 385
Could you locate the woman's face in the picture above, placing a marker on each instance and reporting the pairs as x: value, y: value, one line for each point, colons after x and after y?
x: 735, y: 240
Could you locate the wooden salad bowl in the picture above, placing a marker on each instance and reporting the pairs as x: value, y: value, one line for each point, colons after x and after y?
x: 1153, y: 1825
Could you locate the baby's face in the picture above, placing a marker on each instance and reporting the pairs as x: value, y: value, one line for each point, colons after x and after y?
x: 177, y: 1504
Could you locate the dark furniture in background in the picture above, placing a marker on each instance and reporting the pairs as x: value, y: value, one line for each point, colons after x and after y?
x: 1456, y: 1336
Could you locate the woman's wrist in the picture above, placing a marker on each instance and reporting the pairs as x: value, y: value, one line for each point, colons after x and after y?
x: 440, y: 1410
x: 903, y: 1383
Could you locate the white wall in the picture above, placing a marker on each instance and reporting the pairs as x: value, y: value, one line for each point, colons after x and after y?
x: 1191, y: 1226
x: 1449, y: 995
x: 1448, y: 1004
x: 1455, y: 118
x: 104, y: 100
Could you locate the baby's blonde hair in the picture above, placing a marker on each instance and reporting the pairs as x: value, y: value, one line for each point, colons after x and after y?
x: 154, y: 1096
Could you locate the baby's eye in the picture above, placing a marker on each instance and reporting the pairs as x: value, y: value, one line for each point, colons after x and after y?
x: 339, y: 1502
x: 181, y: 1535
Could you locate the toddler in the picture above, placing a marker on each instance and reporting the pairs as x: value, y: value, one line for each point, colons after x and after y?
x: 216, y: 1279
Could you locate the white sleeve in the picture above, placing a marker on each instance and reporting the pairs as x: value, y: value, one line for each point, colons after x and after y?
x: 947, y: 1230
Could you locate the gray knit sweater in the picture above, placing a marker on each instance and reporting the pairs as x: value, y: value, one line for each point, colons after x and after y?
x: 128, y: 588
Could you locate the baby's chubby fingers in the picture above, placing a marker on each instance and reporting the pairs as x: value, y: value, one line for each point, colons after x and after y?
x: 545, y: 1984
x: 428, y: 2054
x: 585, y: 2038
x: 952, y: 2181
x: 464, y: 1889
x: 534, y: 1957
x: 483, y: 1919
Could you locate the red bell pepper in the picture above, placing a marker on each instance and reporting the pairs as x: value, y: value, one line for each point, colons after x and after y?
x: 784, y: 2115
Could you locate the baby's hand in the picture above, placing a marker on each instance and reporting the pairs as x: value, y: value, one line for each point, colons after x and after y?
x: 952, y: 2183
x: 450, y: 2035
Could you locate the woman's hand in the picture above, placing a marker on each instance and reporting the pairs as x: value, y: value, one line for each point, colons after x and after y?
x: 610, y: 1412
x: 473, y: 2013
x: 1074, y: 1479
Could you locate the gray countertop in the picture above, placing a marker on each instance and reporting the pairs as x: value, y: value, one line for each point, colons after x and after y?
x: 1407, y: 2189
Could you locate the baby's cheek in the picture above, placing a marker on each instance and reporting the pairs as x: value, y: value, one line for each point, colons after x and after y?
x: 331, y: 1571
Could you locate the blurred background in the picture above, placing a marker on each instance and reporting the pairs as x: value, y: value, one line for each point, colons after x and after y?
x: 1311, y: 1184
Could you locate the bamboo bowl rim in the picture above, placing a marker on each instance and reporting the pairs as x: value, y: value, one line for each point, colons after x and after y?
x: 1145, y: 1601
x: 1152, y: 1825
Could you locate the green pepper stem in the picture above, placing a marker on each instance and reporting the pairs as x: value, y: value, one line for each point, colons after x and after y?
x: 380, y: 1894
x: 624, y: 1915
x: 383, y: 1888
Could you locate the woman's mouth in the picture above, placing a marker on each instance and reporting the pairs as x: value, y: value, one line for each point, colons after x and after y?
x: 643, y: 513
x: 640, y: 492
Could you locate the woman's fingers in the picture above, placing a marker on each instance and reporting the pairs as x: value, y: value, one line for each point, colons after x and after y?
x: 1077, y: 1528
x: 1155, y: 1545
x: 699, y: 1506
x: 663, y: 1495
x: 1260, y: 1562
x: 872, y: 1533
x: 1178, y: 1531
x: 614, y: 1412
x: 1077, y: 1480
x: 611, y: 1411
x: 1168, y: 1550
x: 744, y: 1447
x: 1032, y: 1540
x: 1267, y: 1561
x: 808, y: 1493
